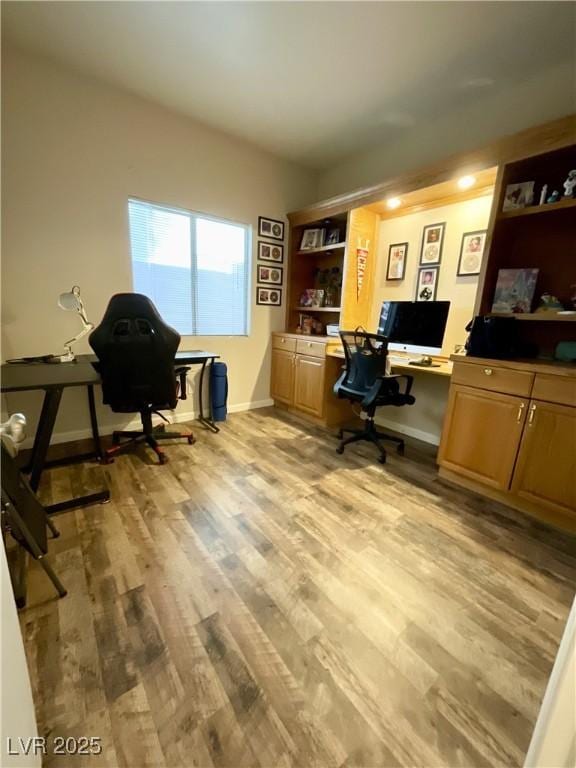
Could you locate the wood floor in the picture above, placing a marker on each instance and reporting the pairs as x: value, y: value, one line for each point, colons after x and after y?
x: 262, y: 601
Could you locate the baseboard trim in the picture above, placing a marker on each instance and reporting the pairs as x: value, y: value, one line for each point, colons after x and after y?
x: 419, y: 434
x: 176, y: 417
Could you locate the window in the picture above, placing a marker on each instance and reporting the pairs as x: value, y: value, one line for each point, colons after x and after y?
x: 194, y: 268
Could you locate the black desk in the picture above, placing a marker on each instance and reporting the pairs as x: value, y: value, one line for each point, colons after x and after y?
x: 53, y: 378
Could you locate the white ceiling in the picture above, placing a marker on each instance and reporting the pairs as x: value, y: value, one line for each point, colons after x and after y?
x: 309, y: 81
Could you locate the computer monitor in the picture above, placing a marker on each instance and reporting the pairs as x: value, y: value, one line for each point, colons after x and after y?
x: 414, y: 326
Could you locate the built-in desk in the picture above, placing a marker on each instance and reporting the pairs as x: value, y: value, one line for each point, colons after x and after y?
x: 441, y: 367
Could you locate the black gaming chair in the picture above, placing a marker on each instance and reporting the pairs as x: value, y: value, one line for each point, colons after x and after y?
x: 136, y: 352
x: 365, y: 381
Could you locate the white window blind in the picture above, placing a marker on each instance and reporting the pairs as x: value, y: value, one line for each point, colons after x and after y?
x: 194, y: 268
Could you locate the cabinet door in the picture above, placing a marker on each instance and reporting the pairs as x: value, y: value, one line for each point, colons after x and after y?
x: 309, y: 387
x: 282, y: 379
x: 546, y: 468
x: 481, y: 435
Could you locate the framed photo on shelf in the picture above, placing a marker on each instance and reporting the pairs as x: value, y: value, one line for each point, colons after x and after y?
x: 270, y: 275
x: 271, y: 297
x: 270, y: 228
x: 270, y: 252
x: 396, y: 267
x: 427, y: 284
x: 471, y: 253
x: 432, y: 242
x: 518, y: 196
x: 311, y: 239
x: 333, y: 237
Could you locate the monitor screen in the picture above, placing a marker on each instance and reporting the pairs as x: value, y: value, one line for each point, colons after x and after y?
x: 414, y: 326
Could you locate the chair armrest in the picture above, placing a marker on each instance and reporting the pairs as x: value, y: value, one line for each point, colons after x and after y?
x: 339, y: 382
x: 376, y: 388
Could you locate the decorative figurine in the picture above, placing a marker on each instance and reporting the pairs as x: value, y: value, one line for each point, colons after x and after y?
x: 554, y: 197
x: 549, y: 303
x: 570, y: 184
x: 543, y: 194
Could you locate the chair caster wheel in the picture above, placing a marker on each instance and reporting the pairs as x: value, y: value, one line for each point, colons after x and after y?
x: 382, y: 459
x: 400, y: 450
x: 340, y: 434
x: 191, y: 439
x: 339, y: 449
x: 162, y: 459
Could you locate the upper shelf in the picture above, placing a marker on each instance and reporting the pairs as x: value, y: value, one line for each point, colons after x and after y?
x: 323, y: 249
x: 547, y: 316
x: 317, y: 309
x: 530, y: 210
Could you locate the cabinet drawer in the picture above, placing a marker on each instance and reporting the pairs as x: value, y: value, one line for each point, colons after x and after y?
x: 493, y: 378
x: 313, y: 348
x: 555, y: 389
x: 283, y: 342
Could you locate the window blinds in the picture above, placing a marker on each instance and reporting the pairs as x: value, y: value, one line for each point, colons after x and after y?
x: 194, y: 268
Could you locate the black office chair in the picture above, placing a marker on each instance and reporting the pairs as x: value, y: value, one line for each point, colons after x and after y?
x: 136, y: 352
x: 364, y: 381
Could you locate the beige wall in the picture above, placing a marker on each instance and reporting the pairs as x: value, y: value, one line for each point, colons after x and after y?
x: 424, y: 419
x: 74, y: 150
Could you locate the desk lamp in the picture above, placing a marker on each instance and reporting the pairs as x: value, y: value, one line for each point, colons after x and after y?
x: 72, y: 302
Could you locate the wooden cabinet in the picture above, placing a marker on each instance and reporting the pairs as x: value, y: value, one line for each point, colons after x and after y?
x: 482, y: 434
x: 519, y: 450
x: 546, y: 469
x: 309, y: 384
x: 282, y: 378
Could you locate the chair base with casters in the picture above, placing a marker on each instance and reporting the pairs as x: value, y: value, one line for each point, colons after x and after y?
x: 150, y: 435
x: 371, y: 435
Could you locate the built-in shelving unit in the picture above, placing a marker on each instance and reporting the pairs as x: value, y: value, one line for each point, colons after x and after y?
x: 539, y: 237
x: 531, y: 210
x: 318, y: 309
x: 323, y: 249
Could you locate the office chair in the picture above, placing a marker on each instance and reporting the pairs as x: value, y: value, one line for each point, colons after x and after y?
x: 136, y: 351
x: 365, y: 381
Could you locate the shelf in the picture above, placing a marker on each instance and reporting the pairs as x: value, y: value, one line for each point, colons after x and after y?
x: 537, y: 316
x: 323, y: 249
x: 317, y: 309
x: 530, y: 210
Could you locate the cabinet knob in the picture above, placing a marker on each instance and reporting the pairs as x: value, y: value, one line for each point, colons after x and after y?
x: 488, y: 371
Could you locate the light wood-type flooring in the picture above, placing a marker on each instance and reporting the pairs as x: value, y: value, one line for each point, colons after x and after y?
x: 262, y: 601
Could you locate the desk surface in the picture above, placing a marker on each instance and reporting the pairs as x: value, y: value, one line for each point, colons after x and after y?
x: 444, y: 369
x: 19, y: 377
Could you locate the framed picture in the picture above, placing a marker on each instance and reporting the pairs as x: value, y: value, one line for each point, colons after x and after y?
x: 432, y: 241
x: 427, y: 283
x: 396, y: 267
x: 471, y: 252
x: 333, y: 237
x: 270, y: 275
x: 270, y: 252
x: 518, y: 195
x: 269, y: 296
x: 312, y: 238
x: 270, y: 228
x: 514, y: 290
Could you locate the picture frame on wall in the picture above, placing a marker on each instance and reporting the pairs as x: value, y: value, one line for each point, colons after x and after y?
x: 432, y: 243
x: 270, y: 275
x: 471, y: 253
x: 427, y: 284
x: 270, y: 252
x: 271, y: 297
x: 396, y: 267
x: 270, y: 228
